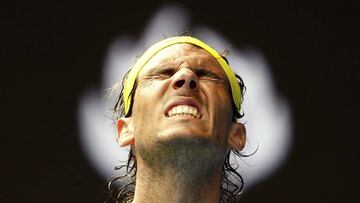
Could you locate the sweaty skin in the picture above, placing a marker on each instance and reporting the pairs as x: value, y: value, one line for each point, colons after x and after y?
x: 181, y: 127
x: 157, y: 82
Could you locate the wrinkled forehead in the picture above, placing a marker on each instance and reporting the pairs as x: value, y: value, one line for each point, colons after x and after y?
x: 183, y: 55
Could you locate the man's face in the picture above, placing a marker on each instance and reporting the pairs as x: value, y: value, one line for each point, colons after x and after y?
x: 182, y: 92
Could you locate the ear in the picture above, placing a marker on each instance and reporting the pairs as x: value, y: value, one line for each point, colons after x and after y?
x: 237, y: 136
x: 125, y: 134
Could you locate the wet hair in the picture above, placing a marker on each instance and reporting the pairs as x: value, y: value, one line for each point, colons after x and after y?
x: 121, y: 188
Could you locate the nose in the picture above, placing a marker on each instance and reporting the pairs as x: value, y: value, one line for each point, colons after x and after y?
x: 185, y: 78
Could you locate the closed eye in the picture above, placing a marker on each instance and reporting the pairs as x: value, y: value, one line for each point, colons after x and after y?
x: 162, y: 72
x: 205, y: 73
x: 209, y: 76
x: 165, y: 71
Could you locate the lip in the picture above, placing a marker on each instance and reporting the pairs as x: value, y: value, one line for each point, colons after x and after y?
x: 183, y: 101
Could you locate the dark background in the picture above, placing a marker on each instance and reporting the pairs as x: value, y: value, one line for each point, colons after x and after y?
x: 52, y: 52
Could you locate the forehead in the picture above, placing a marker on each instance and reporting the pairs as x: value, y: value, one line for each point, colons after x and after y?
x: 187, y: 55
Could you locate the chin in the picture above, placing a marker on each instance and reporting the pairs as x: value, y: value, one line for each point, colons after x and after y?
x: 177, y: 133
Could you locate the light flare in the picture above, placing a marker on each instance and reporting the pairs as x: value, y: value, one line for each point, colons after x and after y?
x: 267, y: 113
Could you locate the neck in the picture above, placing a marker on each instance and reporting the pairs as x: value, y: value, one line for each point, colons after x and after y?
x: 152, y: 186
x: 179, y: 170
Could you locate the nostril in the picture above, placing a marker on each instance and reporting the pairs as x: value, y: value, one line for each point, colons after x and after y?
x: 193, y: 84
x: 179, y: 83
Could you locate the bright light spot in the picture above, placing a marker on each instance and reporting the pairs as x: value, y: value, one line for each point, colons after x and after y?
x: 267, y: 114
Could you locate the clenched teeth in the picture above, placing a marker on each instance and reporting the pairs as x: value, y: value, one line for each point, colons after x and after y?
x: 184, y: 110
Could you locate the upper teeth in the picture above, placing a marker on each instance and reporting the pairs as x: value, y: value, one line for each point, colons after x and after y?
x: 185, y: 110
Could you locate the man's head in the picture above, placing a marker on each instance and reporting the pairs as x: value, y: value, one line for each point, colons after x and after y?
x: 181, y: 94
x: 182, y: 91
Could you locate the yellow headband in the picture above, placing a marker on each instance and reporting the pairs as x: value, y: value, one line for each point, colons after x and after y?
x: 140, y: 63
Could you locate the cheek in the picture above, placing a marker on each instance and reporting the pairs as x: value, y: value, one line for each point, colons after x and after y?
x: 147, y: 107
x: 224, y: 113
x: 152, y: 88
x: 223, y: 110
x: 220, y: 110
x: 148, y: 93
x: 220, y: 95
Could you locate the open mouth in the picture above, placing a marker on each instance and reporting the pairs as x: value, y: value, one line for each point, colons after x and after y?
x: 183, y: 110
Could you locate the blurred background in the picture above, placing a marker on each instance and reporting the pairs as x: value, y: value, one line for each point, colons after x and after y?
x: 52, y: 52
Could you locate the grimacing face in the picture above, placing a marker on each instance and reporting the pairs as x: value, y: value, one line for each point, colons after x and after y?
x: 181, y: 91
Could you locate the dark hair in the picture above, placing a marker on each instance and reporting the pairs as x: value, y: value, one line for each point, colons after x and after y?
x: 124, y: 191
